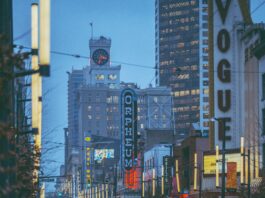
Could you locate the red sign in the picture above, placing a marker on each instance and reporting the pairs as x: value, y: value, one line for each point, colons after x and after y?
x: 231, y: 182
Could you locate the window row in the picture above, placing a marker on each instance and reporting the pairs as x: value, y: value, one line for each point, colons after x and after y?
x: 102, y: 77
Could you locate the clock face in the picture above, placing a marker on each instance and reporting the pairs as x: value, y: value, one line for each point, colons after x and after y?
x: 100, y: 56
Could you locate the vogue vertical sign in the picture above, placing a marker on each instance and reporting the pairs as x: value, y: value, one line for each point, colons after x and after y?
x: 129, y: 127
x: 223, y: 67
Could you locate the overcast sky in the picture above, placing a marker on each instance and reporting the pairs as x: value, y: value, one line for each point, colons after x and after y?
x: 131, y: 26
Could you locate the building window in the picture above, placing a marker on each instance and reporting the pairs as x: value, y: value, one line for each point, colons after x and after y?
x: 263, y: 86
x: 112, y: 77
x: 89, y: 107
x: 112, y: 85
x: 100, y: 77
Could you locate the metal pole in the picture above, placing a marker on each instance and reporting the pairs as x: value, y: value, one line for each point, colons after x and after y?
x: 249, y: 193
x: 200, y: 188
x: 223, y: 160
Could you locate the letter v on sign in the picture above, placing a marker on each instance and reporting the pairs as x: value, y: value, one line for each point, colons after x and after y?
x: 223, y: 10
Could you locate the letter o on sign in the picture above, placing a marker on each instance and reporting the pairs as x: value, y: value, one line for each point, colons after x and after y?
x: 128, y: 99
x: 223, y: 40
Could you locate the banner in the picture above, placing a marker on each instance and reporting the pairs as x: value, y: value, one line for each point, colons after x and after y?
x: 231, y: 181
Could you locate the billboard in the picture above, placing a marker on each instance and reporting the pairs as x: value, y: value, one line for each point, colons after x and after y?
x: 231, y: 181
x: 209, y: 162
x: 100, y: 154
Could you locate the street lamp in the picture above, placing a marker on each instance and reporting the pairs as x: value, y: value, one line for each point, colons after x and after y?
x: 221, y: 125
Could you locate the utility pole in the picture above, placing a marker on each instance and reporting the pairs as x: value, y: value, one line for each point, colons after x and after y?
x: 200, y: 188
x: 249, y: 193
x: 222, y: 128
x: 223, y: 160
x: 6, y: 91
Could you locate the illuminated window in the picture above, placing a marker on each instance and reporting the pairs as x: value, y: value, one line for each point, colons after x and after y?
x: 89, y: 117
x: 206, y: 91
x: 112, y: 76
x: 89, y: 107
x: 100, y: 77
x: 112, y: 85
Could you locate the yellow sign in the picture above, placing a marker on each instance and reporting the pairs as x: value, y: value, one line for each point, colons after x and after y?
x: 88, y: 139
x: 209, y: 162
x: 88, y: 151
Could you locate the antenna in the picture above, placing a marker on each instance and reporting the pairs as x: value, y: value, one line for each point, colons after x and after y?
x: 91, y: 25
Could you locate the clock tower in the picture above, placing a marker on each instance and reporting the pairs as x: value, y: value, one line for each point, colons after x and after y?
x: 100, y: 72
x: 100, y: 51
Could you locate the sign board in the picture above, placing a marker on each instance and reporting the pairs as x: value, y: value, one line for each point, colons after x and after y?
x: 88, y: 156
x: 129, y: 127
x: 167, y: 163
x: 100, y: 154
x: 129, y: 136
x: 209, y: 162
x: 231, y: 181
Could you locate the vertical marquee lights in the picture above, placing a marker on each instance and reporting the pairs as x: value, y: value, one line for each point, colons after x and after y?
x: 242, y: 152
x: 36, y: 84
x: 154, y: 183
x: 195, y: 171
x: 217, y: 167
x: 177, y: 175
x: 162, y: 180
x: 129, y: 133
x: 44, y: 37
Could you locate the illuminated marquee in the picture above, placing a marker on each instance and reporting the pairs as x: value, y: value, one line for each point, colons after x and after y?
x: 209, y: 162
x: 100, y: 154
x: 129, y: 127
x: 129, y: 133
x: 88, y: 157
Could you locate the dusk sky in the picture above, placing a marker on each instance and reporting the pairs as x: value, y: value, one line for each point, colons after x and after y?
x: 131, y: 26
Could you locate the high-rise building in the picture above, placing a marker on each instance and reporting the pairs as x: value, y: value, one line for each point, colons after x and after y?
x: 182, y: 60
x: 74, y: 81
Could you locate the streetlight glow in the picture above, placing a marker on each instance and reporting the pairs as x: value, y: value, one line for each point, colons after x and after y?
x: 217, y: 167
x: 45, y: 33
x: 195, y: 171
x: 242, y: 160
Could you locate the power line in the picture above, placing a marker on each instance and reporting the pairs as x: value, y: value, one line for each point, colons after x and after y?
x: 259, y: 6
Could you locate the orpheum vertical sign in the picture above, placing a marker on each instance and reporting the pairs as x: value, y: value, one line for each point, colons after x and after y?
x: 129, y: 136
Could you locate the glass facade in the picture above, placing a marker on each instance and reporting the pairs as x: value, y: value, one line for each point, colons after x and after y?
x: 182, y: 59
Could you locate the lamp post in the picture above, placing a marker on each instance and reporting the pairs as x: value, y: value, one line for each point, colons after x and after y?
x: 243, y: 167
x: 221, y: 126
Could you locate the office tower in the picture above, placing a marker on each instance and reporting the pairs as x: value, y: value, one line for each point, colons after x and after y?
x: 74, y: 81
x: 182, y: 60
